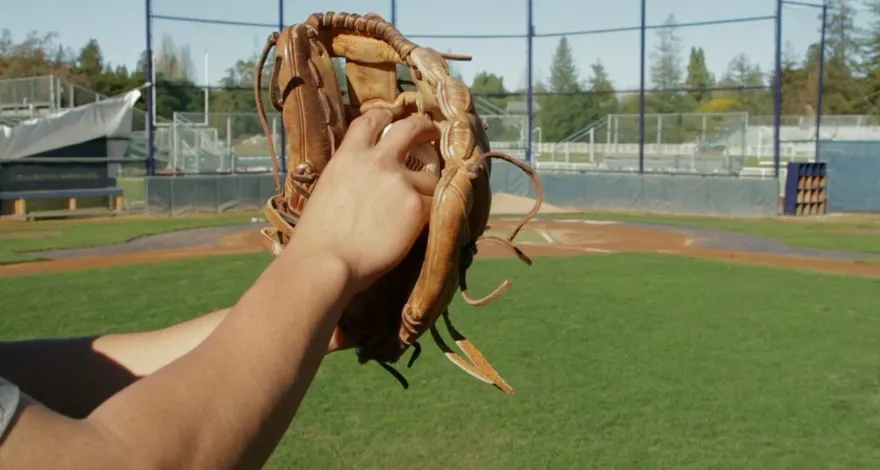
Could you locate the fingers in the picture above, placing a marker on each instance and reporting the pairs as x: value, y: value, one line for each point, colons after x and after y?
x: 363, y: 131
x: 424, y: 182
x: 406, y: 133
x: 396, y: 143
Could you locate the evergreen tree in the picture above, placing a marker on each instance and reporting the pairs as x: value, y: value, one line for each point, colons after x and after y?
x: 90, y: 61
x: 666, y: 70
x: 840, y: 93
x: 869, y: 58
x: 699, y: 78
x: 562, y: 114
x: 602, y: 98
x: 667, y: 77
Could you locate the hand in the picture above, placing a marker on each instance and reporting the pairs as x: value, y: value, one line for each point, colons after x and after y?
x: 367, y: 208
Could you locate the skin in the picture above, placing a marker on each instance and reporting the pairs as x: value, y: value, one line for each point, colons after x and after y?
x: 219, y: 391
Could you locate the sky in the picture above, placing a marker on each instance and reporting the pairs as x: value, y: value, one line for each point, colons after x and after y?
x: 119, y: 27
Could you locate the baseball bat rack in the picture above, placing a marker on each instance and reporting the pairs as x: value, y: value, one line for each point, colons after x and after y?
x: 806, y: 189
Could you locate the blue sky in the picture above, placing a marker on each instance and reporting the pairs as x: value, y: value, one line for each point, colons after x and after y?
x: 119, y: 26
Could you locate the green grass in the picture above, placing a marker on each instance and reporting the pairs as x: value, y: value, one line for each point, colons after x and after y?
x: 821, y: 235
x: 628, y: 361
x: 133, y: 189
x: 16, y: 239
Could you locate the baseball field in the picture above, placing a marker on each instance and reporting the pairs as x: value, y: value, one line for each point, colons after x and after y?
x: 633, y: 341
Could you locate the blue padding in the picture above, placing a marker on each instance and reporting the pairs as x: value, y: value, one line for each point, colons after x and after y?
x: 114, y: 191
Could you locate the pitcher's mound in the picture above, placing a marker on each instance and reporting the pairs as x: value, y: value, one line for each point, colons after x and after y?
x: 504, y: 203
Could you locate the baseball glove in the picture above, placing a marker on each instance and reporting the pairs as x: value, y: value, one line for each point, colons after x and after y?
x: 400, y: 307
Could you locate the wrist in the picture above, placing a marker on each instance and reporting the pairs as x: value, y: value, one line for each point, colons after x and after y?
x: 308, y: 246
x: 313, y: 261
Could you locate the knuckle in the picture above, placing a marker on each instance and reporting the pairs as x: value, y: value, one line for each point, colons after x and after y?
x: 370, y: 120
x: 409, y: 125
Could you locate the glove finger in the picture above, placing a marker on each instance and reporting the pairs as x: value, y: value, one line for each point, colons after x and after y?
x: 364, y: 130
x: 403, y: 135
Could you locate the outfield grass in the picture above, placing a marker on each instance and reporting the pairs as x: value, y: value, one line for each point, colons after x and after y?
x: 626, y: 361
x: 829, y: 235
x: 18, y: 238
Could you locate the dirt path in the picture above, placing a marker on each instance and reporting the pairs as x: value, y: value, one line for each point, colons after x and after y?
x: 703, y: 243
x: 561, y: 238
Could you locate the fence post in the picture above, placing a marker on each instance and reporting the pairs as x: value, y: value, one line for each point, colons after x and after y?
x: 530, y: 121
x: 821, y: 84
x: 148, y: 73
x: 644, y: 31
x: 777, y: 92
x: 283, y: 163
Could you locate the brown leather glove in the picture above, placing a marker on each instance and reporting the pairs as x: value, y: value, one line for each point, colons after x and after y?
x: 388, y: 318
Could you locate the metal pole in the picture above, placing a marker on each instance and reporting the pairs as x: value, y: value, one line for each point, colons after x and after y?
x: 148, y: 74
x: 394, y: 12
x: 207, y: 90
x: 644, y: 31
x: 821, y: 85
x: 283, y: 165
x: 530, y: 122
x: 777, y: 91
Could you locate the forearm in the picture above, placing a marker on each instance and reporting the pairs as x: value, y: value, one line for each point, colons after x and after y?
x: 246, y: 379
x: 74, y: 375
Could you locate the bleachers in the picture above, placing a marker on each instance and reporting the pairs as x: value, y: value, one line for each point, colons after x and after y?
x: 667, y: 163
x: 795, y: 141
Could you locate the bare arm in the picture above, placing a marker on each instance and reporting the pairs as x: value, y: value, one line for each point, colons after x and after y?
x: 226, y: 403
x: 74, y: 375
x: 283, y: 324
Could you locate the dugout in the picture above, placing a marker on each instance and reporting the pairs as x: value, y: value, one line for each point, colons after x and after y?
x: 66, y: 160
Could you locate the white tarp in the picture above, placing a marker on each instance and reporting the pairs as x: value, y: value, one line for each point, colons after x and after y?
x: 108, y: 118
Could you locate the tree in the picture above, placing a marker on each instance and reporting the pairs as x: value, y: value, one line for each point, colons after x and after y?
x: 563, y: 112
x: 90, y: 61
x: 236, y: 95
x: 699, y: 78
x: 869, y: 58
x: 491, y: 98
x: 172, y: 62
x: 36, y: 55
x: 491, y: 90
x: 98, y: 75
x: 602, y: 98
x: 794, y: 79
x: 840, y: 96
x: 742, y: 73
x: 667, y: 80
x: 666, y: 70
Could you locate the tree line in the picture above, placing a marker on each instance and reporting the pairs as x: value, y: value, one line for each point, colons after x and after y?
x: 565, y: 103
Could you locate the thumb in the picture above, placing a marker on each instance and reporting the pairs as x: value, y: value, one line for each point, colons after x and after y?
x: 339, y: 342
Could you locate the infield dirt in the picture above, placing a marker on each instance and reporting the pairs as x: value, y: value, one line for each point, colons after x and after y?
x: 560, y: 238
